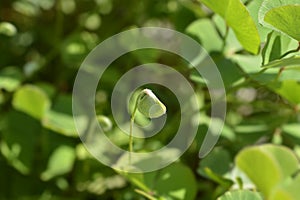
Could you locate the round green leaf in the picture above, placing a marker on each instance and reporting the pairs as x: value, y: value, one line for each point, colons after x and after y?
x: 283, y: 16
x: 31, y: 100
x: 173, y: 182
x: 267, y: 165
x: 212, y: 160
x: 176, y: 181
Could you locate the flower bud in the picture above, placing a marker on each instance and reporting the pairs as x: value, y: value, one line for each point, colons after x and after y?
x: 7, y: 29
x: 104, y: 122
x: 149, y: 105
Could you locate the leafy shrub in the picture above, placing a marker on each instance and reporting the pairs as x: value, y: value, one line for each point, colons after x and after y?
x: 255, y: 45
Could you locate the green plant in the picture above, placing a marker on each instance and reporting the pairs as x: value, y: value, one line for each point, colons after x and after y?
x: 255, y: 45
x: 150, y: 106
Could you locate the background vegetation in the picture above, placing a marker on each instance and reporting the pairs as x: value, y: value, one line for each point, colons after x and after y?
x: 256, y: 48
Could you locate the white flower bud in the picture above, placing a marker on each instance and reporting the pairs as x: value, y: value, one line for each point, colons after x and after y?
x: 149, y: 105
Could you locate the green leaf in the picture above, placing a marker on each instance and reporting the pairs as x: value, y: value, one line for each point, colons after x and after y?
x: 210, y: 168
x: 60, y: 122
x: 286, y: 62
x: 287, y: 90
x: 283, y: 16
x: 229, y: 71
x: 267, y: 165
x: 288, y: 190
x: 241, y: 195
x: 239, y: 20
x: 218, y: 155
x: 206, y: 32
x: 173, y: 182
x: 285, y: 19
x: 277, y: 44
x: 292, y: 129
x: 61, y: 161
x: 232, y: 45
x: 176, y: 181
x: 31, y: 100
x: 253, y: 7
x: 249, y: 63
x: 59, y: 118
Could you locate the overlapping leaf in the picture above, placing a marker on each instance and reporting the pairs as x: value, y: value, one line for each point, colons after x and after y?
x: 238, y: 18
x: 281, y: 15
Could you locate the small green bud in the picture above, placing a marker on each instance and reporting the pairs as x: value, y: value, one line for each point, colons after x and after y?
x: 149, y: 105
x: 105, y: 123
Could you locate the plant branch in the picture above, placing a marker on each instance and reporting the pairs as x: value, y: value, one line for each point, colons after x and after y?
x: 148, y: 196
x: 131, y: 127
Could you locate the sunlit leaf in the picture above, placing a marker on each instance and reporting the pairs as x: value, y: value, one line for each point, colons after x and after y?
x: 292, y: 129
x: 283, y: 16
x: 31, y: 100
x: 60, y: 123
x: 60, y: 162
x: 267, y: 165
x: 176, y: 181
x: 239, y: 20
x: 277, y: 44
x: 253, y: 7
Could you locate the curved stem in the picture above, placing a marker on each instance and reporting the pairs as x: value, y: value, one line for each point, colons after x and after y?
x: 148, y: 196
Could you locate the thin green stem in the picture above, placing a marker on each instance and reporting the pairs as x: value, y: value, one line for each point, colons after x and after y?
x: 148, y: 196
x: 131, y: 138
x: 131, y: 128
x: 225, y: 37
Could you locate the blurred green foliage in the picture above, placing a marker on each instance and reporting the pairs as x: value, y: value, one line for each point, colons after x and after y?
x: 42, y: 44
